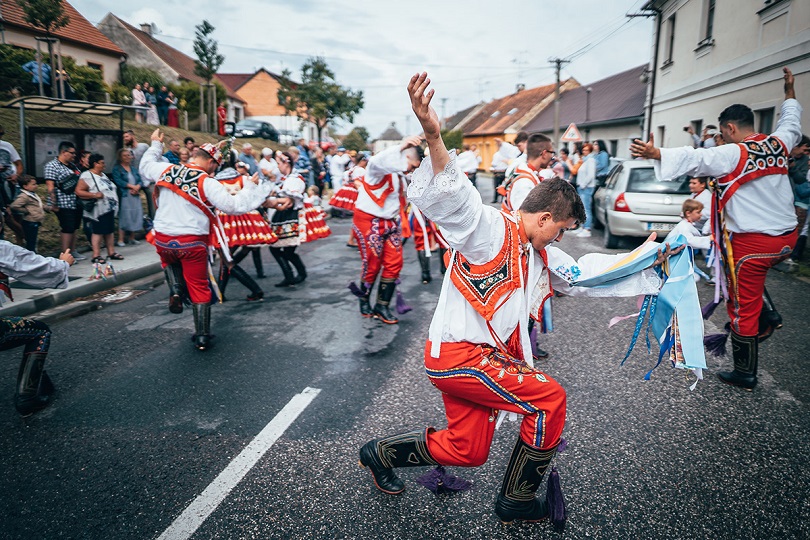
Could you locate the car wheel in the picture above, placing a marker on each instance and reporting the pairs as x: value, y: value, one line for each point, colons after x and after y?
x: 611, y: 240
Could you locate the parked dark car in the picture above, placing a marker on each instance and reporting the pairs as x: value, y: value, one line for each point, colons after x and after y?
x: 256, y: 128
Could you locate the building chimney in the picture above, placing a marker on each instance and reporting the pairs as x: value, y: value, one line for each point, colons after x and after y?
x: 146, y: 28
x: 520, y: 87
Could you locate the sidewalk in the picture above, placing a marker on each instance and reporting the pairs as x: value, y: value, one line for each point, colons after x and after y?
x: 139, y: 261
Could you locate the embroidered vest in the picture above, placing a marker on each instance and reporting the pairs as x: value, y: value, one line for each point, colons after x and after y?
x: 506, y: 189
x: 760, y: 155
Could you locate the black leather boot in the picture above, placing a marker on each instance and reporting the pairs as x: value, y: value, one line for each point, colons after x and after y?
x: 745, y: 350
x: 298, y: 264
x: 257, y: 262
x: 365, y: 305
x: 286, y: 269
x: 381, y: 308
x: 769, y: 319
x: 442, y: 266
x: 34, y: 387
x: 424, y: 262
x: 202, y: 326
x: 523, y: 477
x: 798, y: 251
x: 177, y: 286
x: 244, y: 278
x: 404, y: 450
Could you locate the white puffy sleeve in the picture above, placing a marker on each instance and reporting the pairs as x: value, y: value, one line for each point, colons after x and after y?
x: 565, y: 270
x: 716, y: 161
x: 450, y: 200
x: 32, y: 269
x: 152, y: 163
x: 246, y: 199
x: 388, y: 161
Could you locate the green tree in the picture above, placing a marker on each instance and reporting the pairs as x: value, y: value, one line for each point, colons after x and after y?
x: 357, y: 140
x: 453, y: 139
x: 132, y: 75
x: 50, y: 16
x: 208, y: 61
x: 318, y: 98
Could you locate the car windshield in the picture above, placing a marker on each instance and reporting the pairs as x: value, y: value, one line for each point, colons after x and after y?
x: 643, y: 180
x: 249, y: 124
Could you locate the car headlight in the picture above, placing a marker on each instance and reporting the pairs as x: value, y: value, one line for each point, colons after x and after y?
x: 248, y: 132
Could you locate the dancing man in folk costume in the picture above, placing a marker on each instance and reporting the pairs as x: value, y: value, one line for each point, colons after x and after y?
x: 478, y: 355
x: 185, y: 222
x: 289, y: 199
x: 378, y: 224
x: 244, y: 233
x: 753, y: 220
x: 34, y: 387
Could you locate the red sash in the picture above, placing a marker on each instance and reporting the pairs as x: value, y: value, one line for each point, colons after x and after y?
x: 387, y: 185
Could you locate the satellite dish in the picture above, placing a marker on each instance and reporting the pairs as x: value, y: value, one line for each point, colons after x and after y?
x: 155, y: 29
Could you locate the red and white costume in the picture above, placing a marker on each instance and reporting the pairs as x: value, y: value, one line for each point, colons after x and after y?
x: 185, y: 221
x: 312, y: 221
x: 346, y: 196
x: 377, y: 216
x: 754, y: 219
x: 479, y: 351
x: 248, y: 229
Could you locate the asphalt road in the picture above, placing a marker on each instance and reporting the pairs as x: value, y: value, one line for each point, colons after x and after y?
x: 143, y: 424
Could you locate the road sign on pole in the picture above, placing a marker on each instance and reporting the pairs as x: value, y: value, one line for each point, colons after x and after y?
x: 571, y: 134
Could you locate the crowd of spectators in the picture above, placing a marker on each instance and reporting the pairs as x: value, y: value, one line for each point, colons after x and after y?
x: 156, y: 107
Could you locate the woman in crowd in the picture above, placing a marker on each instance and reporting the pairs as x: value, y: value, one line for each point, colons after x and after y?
x: 184, y: 155
x: 94, y: 185
x: 602, y: 158
x: 128, y: 180
x: 173, y: 120
x: 285, y: 224
x: 586, y: 182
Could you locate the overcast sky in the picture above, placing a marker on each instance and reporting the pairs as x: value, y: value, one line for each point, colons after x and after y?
x: 473, y: 50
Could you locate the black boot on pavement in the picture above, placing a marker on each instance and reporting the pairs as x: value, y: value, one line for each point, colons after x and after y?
x: 286, y: 269
x: 424, y: 262
x: 257, y: 262
x: 523, y: 477
x: 298, y: 264
x: 382, y: 310
x: 244, y: 278
x: 34, y: 387
x: 202, y: 326
x: 404, y: 450
x: 745, y: 350
x: 365, y: 305
x: 174, y: 278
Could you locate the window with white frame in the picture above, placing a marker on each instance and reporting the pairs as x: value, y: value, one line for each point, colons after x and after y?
x: 670, y: 41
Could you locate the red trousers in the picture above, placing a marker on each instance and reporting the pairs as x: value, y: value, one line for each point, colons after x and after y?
x: 477, y: 381
x: 191, y: 252
x: 754, y: 254
x: 380, y: 243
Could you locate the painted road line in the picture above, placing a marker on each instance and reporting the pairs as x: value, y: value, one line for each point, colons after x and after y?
x: 198, y: 511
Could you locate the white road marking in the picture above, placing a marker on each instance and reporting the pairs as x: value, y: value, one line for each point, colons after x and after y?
x: 198, y: 511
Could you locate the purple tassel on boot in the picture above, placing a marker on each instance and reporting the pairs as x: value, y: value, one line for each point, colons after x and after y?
x: 556, y: 501
x: 356, y: 290
x: 533, y: 340
x: 402, y: 307
x: 440, y: 481
x: 562, y: 446
x: 716, y: 344
x: 708, y: 309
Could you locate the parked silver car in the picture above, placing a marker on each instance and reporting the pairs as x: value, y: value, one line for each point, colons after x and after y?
x: 634, y: 202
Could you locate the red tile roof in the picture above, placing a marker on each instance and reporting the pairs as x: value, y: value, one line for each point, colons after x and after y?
x: 498, y: 115
x: 178, y: 61
x: 78, y: 30
x: 233, y: 81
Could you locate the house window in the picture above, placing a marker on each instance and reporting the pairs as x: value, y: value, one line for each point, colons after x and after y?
x: 765, y: 120
x: 97, y: 67
x: 709, y: 26
x: 670, y: 42
x: 614, y: 147
x: 662, y: 130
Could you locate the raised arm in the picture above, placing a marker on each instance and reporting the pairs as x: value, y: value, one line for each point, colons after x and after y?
x: 420, y: 102
x: 152, y: 164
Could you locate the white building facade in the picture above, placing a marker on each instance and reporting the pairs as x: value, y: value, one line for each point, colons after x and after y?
x: 715, y: 53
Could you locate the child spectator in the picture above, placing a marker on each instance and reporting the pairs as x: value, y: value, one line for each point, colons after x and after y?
x: 690, y: 211
x: 30, y: 206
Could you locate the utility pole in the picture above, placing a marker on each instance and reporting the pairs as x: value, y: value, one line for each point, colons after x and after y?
x: 558, y: 63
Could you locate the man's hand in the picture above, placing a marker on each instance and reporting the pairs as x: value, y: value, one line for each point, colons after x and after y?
x: 790, y: 93
x: 255, y: 178
x: 666, y: 254
x: 284, y: 203
x: 157, y: 135
x: 639, y: 148
x: 67, y: 257
x: 420, y: 102
x: 410, y: 142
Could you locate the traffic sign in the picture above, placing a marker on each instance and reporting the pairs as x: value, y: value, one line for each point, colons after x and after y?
x: 571, y: 134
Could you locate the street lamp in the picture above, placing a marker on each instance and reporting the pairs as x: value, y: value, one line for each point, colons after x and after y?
x: 587, y: 112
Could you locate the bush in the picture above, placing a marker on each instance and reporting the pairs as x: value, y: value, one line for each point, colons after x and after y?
x: 453, y: 139
x: 120, y: 94
x: 132, y: 75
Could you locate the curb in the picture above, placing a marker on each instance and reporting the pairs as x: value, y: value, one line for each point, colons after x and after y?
x: 53, y: 298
